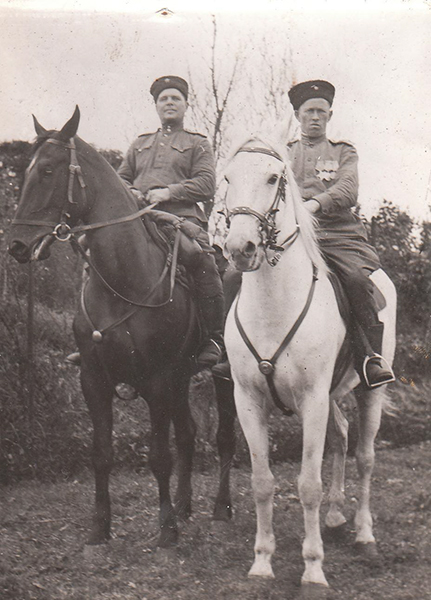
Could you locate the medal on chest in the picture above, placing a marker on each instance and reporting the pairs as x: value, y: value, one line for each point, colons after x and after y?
x: 326, y: 170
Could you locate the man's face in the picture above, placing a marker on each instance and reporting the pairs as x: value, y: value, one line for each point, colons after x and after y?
x: 314, y: 116
x: 171, y: 106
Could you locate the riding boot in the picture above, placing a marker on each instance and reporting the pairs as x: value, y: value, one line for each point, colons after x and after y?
x: 212, y: 313
x: 375, y: 369
x: 231, y: 286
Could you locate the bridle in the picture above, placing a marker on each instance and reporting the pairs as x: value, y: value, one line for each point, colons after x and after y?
x: 267, y: 227
x: 63, y: 232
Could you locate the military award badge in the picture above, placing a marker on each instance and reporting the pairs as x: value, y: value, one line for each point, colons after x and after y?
x: 327, y: 169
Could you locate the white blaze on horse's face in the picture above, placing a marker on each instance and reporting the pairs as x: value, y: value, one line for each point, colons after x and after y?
x: 254, y: 180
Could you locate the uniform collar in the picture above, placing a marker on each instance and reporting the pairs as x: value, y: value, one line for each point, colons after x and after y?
x: 312, y: 141
x: 168, y: 129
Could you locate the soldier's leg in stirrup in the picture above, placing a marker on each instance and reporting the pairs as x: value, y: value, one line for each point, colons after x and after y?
x: 209, y: 292
x: 376, y: 371
x: 231, y: 286
x: 373, y: 369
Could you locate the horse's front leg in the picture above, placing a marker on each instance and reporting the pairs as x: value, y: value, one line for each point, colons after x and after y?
x: 185, y: 434
x: 226, y: 446
x: 253, y: 417
x: 98, y: 392
x: 314, y: 417
x: 369, y: 416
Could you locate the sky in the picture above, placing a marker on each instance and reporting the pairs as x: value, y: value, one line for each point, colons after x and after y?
x: 104, y: 55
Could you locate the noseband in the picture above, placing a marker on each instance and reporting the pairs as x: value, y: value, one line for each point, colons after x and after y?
x: 267, y: 227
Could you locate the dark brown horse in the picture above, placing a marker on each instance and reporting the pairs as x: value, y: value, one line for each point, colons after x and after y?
x: 134, y: 325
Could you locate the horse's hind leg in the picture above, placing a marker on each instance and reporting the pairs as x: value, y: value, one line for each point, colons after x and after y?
x: 98, y: 392
x: 337, y: 437
x: 185, y: 433
x: 369, y: 415
x: 160, y: 459
x: 226, y: 446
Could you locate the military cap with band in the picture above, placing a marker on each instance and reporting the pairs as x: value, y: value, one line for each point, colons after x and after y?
x: 168, y: 82
x: 306, y: 90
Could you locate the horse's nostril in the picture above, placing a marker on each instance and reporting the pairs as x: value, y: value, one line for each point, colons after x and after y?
x: 18, y: 250
x: 249, y: 249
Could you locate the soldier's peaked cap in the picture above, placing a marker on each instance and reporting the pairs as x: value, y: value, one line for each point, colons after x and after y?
x: 306, y: 90
x: 168, y: 82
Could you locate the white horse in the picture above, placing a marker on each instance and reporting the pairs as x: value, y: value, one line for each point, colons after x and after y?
x: 286, y: 293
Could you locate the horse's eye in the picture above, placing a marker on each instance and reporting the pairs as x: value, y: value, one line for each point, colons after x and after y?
x: 226, y: 179
x: 273, y: 179
x: 47, y: 172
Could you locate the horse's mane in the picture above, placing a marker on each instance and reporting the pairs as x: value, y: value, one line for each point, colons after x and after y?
x: 306, y: 221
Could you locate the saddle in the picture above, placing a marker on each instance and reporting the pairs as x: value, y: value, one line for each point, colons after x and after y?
x: 163, y: 228
x: 346, y: 354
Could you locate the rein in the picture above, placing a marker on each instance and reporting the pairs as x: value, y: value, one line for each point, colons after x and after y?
x: 267, y: 366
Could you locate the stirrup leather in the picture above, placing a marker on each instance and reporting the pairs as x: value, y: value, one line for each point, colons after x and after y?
x: 385, y: 365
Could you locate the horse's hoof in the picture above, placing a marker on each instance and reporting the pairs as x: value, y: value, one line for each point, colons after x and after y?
x: 335, y: 534
x: 222, y: 513
x: 368, y: 550
x: 261, y: 573
x: 97, y: 539
x: 168, y: 538
x: 261, y: 576
x: 314, y: 591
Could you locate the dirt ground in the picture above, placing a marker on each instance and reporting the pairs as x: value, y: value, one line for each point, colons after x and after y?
x: 43, y: 554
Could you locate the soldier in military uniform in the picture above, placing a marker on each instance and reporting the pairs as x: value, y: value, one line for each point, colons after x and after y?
x: 327, y: 175
x: 175, y: 168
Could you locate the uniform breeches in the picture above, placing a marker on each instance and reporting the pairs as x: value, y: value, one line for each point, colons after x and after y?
x: 353, y: 261
x: 204, y: 269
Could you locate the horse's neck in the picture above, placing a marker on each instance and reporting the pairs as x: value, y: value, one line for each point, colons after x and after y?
x: 124, y: 253
x: 285, y: 286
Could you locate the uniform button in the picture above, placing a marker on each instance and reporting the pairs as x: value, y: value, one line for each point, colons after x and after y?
x: 161, y: 143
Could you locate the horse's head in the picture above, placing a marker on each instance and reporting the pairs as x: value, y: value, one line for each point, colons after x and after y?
x: 47, y: 208
x: 257, y: 182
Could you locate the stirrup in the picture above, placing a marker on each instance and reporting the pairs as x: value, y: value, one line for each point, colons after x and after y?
x: 389, y: 378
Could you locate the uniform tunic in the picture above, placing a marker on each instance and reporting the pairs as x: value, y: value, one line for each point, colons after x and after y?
x: 327, y: 171
x: 183, y: 162
x: 177, y: 159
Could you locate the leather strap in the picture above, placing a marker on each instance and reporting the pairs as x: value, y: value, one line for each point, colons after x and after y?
x: 267, y: 366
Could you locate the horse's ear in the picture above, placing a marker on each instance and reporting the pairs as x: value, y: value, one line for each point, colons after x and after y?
x: 40, y: 131
x: 69, y: 130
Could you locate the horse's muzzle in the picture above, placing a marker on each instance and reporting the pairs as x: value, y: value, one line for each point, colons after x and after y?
x: 38, y: 250
x: 246, y: 258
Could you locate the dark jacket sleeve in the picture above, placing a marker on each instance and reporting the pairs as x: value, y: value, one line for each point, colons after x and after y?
x: 343, y: 193
x: 200, y: 186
